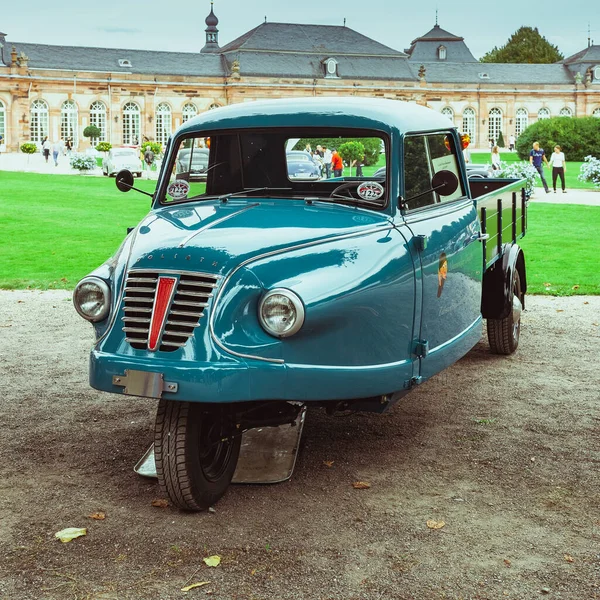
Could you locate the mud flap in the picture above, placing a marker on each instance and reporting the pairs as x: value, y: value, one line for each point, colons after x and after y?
x: 267, y: 455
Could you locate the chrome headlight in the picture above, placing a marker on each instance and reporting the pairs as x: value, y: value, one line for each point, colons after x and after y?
x: 91, y: 299
x: 281, y: 312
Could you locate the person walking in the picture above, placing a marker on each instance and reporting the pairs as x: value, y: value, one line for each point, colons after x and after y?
x: 511, y: 142
x: 496, y: 158
x: 56, y: 149
x: 537, y: 157
x: 148, y: 159
x: 46, y: 148
x: 559, y: 168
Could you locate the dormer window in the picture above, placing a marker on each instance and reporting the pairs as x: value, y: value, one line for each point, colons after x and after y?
x: 125, y: 62
x: 597, y: 74
x: 441, y: 52
x: 331, y: 66
x: 483, y: 75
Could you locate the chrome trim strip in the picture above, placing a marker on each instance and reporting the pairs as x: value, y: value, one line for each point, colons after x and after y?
x: 144, y: 290
x: 212, y: 276
x: 475, y: 323
x: 141, y: 299
x: 183, y: 324
x: 174, y: 344
x: 211, y: 322
x: 216, y: 222
x: 141, y: 280
x: 136, y: 319
x: 135, y: 330
x: 187, y: 303
x: 137, y: 309
x: 184, y: 313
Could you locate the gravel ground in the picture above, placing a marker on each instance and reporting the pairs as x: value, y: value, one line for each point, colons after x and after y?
x: 504, y: 450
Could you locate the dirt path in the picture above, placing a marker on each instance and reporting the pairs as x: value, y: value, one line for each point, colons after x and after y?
x: 505, y: 451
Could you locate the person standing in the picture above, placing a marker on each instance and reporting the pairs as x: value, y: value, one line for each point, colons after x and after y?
x: 337, y: 163
x: 68, y: 146
x: 56, y: 148
x: 496, y: 158
x: 511, y: 142
x: 559, y: 167
x: 327, y: 161
x: 148, y: 159
x: 537, y: 157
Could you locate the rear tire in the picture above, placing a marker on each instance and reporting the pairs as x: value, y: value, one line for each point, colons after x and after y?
x: 503, y: 334
x: 194, y: 463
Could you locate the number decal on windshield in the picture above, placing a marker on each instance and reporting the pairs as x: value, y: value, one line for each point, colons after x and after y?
x: 178, y: 189
x: 370, y: 190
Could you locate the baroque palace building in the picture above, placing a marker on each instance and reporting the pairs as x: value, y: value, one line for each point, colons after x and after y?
x: 134, y: 95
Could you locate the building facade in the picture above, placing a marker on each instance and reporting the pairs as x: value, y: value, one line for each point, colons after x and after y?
x: 137, y: 95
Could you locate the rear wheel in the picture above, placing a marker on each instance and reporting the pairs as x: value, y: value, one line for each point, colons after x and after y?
x: 196, y: 452
x: 503, y: 334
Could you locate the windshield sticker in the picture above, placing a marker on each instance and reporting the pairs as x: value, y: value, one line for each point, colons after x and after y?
x: 370, y: 190
x: 178, y: 189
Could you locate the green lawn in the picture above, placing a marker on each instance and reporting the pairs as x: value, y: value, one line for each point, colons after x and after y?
x: 573, y: 169
x: 55, y: 229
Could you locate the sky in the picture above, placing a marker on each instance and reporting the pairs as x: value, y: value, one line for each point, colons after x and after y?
x: 179, y: 26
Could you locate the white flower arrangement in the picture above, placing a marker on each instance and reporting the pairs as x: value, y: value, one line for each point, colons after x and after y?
x: 519, y: 170
x: 590, y: 170
x: 83, y: 162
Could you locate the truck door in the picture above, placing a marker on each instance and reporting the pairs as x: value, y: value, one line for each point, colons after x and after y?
x: 446, y: 252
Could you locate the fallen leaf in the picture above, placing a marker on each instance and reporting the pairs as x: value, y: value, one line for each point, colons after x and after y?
x: 559, y: 310
x: 212, y: 561
x: 546, y: 284
x: 70, y: 533
x: 575, y: 287
x: 187, y: 588
x: 361, y: 485
x: 507, y: 563
x: 98, y: 516
x: 595, y: 324
x: 435, y: 524
x: 328, y: 463
x: 568, y: 558
x: 160, y: 503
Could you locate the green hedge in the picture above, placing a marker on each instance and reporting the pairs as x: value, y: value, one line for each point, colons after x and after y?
x: 577, y: 137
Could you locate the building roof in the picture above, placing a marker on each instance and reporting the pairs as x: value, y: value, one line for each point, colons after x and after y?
x: 106, y: 60
x: 591, y: 54
x: 314, y: 39
x: 495, y: 73
x: 425, y: 48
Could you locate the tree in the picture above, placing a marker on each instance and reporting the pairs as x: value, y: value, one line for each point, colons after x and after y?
x: 351, y: 151
x: 526, y: 45
x: 92, y: 132
x: 500, y: 141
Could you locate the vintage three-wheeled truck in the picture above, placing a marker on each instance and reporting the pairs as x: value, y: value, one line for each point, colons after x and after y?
x: 241, y: 298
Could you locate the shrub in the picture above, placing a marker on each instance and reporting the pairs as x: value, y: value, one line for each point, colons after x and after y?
x: 577, y: 137
x: 91, y: 131
x: 103, y: 146
x: 519, y: 170
x: 83, y: 162
x: 28, y: 148
x: 500, y: 141
x: 590, y: 170
x: 156, y: 147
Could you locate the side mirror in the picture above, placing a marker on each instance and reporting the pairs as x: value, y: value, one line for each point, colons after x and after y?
x: 445, y: 183
x: 124, y: 180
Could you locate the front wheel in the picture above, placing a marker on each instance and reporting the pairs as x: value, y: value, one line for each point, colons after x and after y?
x: 196, y: 452
x: 503, y: 334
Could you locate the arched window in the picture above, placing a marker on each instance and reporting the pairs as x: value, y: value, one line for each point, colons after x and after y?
x: 330, y: 65
x: 131, y: 124
x: 543, y: 113
x: 495, y: 124
x: 521, y: 121
x: 164, y: 125
x: 448, y: 112
x: 98, y: 118
x: 566, y: 112
x: 3, y: 122
x: 213, y: 106
x: 188, y: 112
x: 441, y: 52
x: 596, y: 113
x: 38, y: 121
x: 469, y: 123
x: 68, y: 121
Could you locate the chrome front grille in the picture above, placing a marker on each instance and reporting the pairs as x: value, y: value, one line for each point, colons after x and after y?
x: 192, y: 293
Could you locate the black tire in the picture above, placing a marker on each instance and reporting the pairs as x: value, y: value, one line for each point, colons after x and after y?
x: 503, y: 334
x: 193, y: 463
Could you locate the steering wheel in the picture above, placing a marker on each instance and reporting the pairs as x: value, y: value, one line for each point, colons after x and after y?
x: 345, y: 186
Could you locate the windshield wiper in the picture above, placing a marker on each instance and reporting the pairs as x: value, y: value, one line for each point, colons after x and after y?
x: 247, y: 191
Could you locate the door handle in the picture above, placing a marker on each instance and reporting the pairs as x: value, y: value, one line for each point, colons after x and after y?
x: 480, y: 237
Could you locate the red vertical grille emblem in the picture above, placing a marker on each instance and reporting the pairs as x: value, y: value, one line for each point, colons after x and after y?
x: 164, y: 293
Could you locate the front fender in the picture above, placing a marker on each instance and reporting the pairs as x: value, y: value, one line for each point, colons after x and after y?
x: 496, y: 302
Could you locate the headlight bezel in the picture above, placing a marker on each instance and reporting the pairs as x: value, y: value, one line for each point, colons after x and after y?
x: 104, y: 288
x: 297, y: 304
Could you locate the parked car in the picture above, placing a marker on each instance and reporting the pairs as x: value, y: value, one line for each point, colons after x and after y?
x: 118, y: 159
x: 301, y: 165
x: 240, y: 301
x: 195, y: 163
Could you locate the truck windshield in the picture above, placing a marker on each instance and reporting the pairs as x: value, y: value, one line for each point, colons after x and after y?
x: 346, y: 166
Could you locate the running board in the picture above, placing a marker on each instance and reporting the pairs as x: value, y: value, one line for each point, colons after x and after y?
x: 267, y: 454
